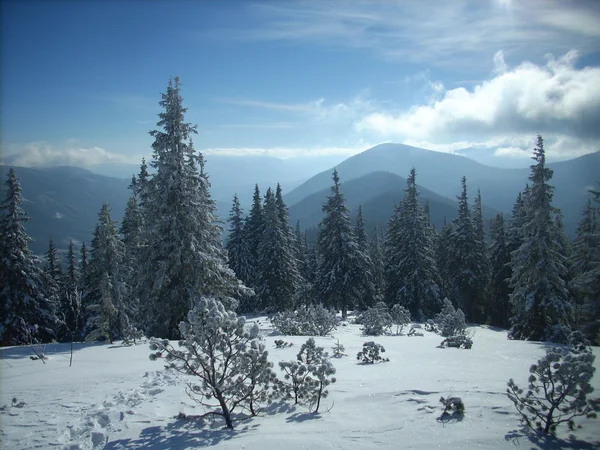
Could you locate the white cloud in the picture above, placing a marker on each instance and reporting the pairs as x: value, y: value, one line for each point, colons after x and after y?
x: 439, y: 33
x: 41, y: 154
x: 558, y: 100
x: 291, y: 152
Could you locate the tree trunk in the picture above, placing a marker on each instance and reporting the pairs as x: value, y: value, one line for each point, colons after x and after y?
x: 226, y: 412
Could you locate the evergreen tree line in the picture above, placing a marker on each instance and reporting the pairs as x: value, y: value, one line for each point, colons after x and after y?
x: 145, y: 275
x: 520, y: 272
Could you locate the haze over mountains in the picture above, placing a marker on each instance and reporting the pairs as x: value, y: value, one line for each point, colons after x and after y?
x: 63, y: 202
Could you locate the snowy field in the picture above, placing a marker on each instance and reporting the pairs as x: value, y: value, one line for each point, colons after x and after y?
x: 114, y: 397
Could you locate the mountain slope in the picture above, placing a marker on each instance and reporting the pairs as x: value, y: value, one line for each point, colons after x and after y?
x: 63, y: 202
x: 378, y: 193
x: 441, y: 173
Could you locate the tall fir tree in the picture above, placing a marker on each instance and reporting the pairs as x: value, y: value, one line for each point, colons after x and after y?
x: 72, y: 306
x: 184, y: 257
x: 238, y: 252
x: 467, y: 272
x: 338, y: 255
x: 53, y: 278
x: 276, y: 261
x: 540, y: 299
x: 443, y: 250
x: 25, y: 312
x: 376, y: 253
x: 585, y: 264
x: 107, y: 312
x: 411, y: 269
x: 365, y: 276
x: 498, y: 306
x: 254, y: 233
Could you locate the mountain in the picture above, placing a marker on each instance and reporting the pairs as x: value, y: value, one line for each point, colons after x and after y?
x: 378, y: 193
x: 64, y: 202
x: 442, y: 172
x: 238, y: 174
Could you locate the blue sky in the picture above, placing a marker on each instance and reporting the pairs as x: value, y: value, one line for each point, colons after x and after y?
x: 81, y: 81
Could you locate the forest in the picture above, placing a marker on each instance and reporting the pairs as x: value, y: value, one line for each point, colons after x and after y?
x: 142, y: 276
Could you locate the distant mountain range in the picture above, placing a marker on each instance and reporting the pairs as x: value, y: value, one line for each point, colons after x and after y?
x: 378, y: 193
x: 64, y: 201
x: 442, y: 172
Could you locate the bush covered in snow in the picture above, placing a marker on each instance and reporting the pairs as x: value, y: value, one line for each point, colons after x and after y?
x: 558, y: 388
x: 376, y: 320
x: 400, y: 317
x: 371, y: 353
x: 450, y: 321
x: 457, y: 342
x: 312, y: 320
x: 307, y: 378
x: 227, y: 358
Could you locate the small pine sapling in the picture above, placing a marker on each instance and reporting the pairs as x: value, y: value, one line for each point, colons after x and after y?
x: 226, y: 357
x: 338, y: 350
x: 450, y: 321
x: 371, y: 353
x: 453, y: 406
x: 413, y: 332
x: 308, y: 376
x: 557, y: 392
x: 400, y: 317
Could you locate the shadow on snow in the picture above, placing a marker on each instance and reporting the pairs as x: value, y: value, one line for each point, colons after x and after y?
x: 547, y: 441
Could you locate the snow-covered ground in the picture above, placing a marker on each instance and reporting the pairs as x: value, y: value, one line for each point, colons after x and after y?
x: 114, y: 397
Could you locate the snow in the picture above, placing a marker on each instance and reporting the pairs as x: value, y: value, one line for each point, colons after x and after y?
x: 114, y: 397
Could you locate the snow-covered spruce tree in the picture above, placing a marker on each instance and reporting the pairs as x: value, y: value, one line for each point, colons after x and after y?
x: 71, y: 309
x: 184, y: 256
x: 53, y: 285
x: 467, y: 262
x: 557, y: 390
x: 237, y: 243
x: 482, y: 251
x: 540, y: 299
x: 339, y: 259
x: 254, y: 233
x: 585, y: 264
x: 276, y: 262
x: 105, y: 300
x: 304, y: 289
x: 308, y: 376
x: 443, y: 243
x: 498, y: 306
x: 376, y: 254
x: 228, y: 359
x: 450, y: 321
x: 411, y: 270
x: 367, y: 295
x: 24, y: 310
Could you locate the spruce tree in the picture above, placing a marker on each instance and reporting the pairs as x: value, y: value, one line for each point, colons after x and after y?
x: 466, y: 263
x: 238, y: 252
x: 376, y: 254
x: 53, y: 278
x: 71, y: 308
x: 585, y: 263
x: 278, y: 275
x: 254, y: 233
x: 411, y: 269
x: 498, y: 306
x: 107, y: 312
x: 443, y: 250
x: 540, y: 298
x: 365, y: 279
x: 25, y: 312
x: 184, y: 257
x: 339, y: 257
